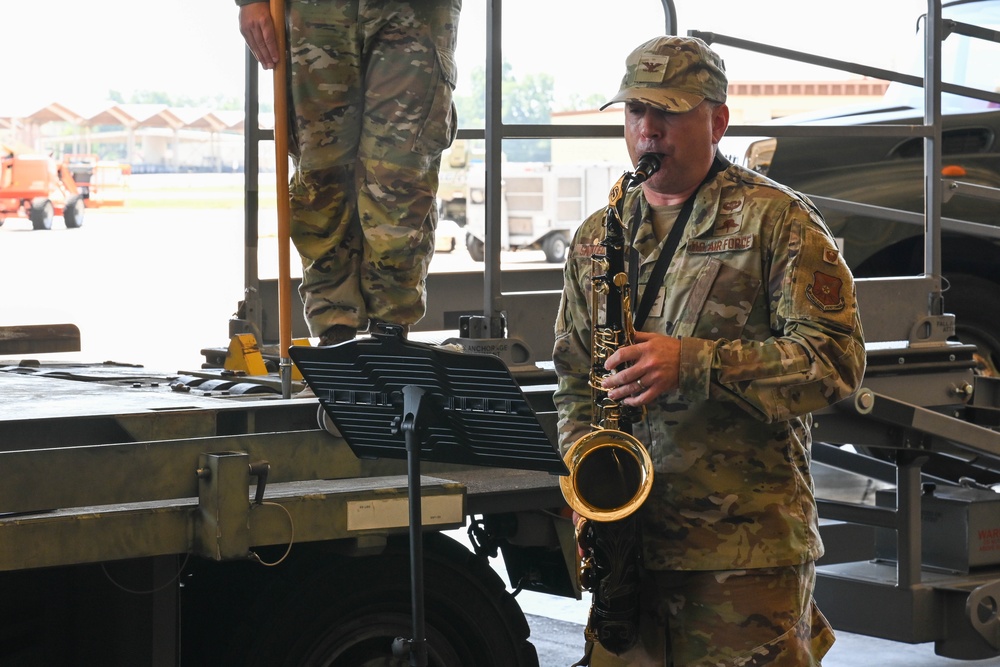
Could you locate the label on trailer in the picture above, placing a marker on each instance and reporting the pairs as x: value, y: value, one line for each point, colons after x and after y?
x: 395, y: 512
x: 989, y: 540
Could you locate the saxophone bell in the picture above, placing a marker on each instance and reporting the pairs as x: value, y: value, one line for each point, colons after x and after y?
x: 611, y: 474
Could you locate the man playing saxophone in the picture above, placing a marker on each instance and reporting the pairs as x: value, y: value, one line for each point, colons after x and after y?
x: 746, y: 322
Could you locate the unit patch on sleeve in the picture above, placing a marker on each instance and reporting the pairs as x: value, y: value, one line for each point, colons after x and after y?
x: 824, y: 292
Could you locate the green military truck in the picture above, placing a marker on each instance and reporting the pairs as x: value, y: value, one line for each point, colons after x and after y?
x: 848, y: 175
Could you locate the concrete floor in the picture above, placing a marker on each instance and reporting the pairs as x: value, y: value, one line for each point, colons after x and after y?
x: 557, y: 633
x: 557, y: 623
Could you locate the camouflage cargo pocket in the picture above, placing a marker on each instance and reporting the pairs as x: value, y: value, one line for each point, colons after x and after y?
x: 440, y: 126
x: 720, y: 302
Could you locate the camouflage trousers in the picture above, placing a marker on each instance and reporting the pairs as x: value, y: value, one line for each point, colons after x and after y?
x: 371, y: 110
x: 737, y: 618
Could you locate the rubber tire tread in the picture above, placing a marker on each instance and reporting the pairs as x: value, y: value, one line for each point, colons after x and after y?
x: 294, y: 604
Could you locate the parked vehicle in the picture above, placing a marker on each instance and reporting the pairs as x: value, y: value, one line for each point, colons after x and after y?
x: 888, y: 172
x: 541, y: 205
x: 101, y: 182
x: 38, y: 188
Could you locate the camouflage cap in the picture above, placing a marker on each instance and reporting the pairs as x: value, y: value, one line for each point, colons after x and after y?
x: 674, y: 74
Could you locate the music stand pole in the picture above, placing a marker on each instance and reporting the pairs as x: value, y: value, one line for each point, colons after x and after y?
x: 474, y: 413
x: 416, y: 648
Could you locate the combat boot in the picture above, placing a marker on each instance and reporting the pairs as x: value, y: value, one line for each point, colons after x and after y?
x: 338, y: 333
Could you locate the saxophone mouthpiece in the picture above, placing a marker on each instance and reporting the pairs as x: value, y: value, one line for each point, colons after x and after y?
x: 648, y: 164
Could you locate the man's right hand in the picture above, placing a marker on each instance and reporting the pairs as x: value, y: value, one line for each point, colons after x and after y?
x: 258, y: 31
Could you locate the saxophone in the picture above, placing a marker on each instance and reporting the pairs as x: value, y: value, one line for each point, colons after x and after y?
x: 611, y: 472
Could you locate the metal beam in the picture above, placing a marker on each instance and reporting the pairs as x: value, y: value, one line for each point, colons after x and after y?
x: 320, y: 510
x: 39, y: 338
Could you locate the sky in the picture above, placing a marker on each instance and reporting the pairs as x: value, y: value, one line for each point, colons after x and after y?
x: 75, y: 52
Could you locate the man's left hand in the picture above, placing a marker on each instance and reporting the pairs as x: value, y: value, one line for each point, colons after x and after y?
x: 648, y: 368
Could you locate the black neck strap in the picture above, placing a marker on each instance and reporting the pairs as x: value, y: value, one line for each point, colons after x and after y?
x: 666, y: 253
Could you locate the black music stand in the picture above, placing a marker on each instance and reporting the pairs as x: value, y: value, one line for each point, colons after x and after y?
x: 394, y: 398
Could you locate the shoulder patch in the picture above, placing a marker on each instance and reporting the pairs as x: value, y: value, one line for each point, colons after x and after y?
x: 824, y: 292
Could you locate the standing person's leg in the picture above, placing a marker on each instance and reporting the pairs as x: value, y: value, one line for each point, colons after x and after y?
x: 327, y: 102
x: 409, y: 119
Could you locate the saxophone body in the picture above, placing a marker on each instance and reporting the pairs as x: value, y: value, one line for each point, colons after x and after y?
x: 611, y: 472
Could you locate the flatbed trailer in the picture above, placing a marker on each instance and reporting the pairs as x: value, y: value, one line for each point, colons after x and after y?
x: 127, y: 494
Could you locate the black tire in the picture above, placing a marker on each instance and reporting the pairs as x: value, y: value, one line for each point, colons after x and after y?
x: 73, y: 213
x: 975, y: 302
x: 477, y: 249
x: 555, y: 247
x: 346, y: 612
x: 41, y: 213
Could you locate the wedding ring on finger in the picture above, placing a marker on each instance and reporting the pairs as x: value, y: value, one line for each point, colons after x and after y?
x: 641, y: 387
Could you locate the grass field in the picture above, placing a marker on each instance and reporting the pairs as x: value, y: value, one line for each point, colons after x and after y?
x: 195, y: 191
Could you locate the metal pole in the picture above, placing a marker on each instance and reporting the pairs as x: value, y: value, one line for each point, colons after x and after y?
x: 492, y: 301
x: 251, y: 201
x: 670, y: 17
x: 412, y: 396
x: 933, y: 186
x: 281, y: 187
x: 909, y: 535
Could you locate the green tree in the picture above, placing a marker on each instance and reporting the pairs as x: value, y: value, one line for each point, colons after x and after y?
x: 524, y: 100
x: 578, y: 102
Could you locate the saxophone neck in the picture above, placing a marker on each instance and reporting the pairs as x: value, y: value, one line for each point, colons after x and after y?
x: 618, y: 191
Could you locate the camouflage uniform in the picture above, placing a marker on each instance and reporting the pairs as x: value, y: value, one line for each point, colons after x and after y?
x: 716, y: 619
x: 765, y: 309
x: 371, y: 111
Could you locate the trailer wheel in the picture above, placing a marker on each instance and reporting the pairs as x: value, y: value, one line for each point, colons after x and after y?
x: 41, y: 213
x: 73, y: 213
x: 555, y: 247
x: 477, y: 249
x: 346, y: 612
x: 976, y: 304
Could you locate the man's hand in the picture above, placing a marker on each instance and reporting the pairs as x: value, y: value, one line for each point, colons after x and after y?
x: 257, y: 29
x: 650, y: 367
